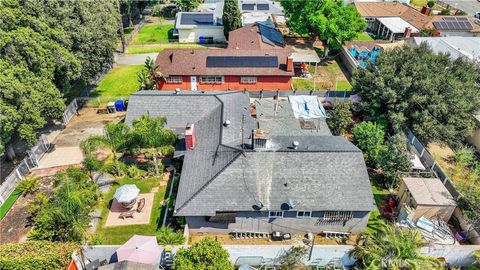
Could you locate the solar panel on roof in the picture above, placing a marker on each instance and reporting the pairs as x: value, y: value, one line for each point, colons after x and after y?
x: 270, y: 36
x: 453, y: 25
x: 248, y: 6
x: 263, y: 7
x: 196, y: 19
x: 242, y: 61
x: 458, y: 19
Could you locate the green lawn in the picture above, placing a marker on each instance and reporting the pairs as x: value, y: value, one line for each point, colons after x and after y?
x: 138, y: 49
x: 121, y: 81
x: 9, y: 203
x: 376, y: 220
x: 120, y: 234
x: 418, y: 3
x: 154, y: 33
x: 302, y: 84
x: 363, y: 36
x: 343, y: 86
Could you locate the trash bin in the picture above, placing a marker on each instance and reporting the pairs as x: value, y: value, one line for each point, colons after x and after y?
x: 119, y: 106
x: 201, y: 40
x: 111, y: 107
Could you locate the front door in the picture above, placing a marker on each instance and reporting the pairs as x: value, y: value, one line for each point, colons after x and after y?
x: 193, y: 82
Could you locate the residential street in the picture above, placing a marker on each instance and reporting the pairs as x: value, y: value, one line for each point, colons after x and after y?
x: 469, y: 6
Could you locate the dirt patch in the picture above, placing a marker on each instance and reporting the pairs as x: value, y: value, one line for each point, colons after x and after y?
x: 15, y: 226
x: 442, y: 154
x: 87, y: 123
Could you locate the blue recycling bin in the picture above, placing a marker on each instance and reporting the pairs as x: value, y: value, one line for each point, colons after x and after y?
x: 119, y: 106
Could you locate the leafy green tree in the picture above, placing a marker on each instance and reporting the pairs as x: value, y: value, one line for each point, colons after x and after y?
x: 369, y: 137
x: 330, y: 20
x: 231, y: 17
x: 394, y: 248
x: 187, y: 5
x: 65, y: 217
x: 430, y: 3
x: 150, y: 132
x: 149, y: 75
x: 396, y: 157
x: 207, y: 254
x: 293, y: 258
x: 36, y: 255
x: 340, y: 118
x: 415, y: 88
x: 166, y: 236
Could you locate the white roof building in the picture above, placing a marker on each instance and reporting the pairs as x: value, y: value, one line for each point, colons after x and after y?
x: 468, y: 47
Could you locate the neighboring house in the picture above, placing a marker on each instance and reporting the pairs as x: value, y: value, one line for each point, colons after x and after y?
x: 256, y: 59
x: 394, y: 20
x: 251, y: 11
x: 238, y: 177
x: 198, y: 27
x: 468, y: 47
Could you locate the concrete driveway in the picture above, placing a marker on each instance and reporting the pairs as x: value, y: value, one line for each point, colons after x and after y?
x: 133, y: 59
x: 469, y: 6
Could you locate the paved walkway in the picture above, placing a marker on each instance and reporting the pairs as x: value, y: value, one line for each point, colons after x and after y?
x: 133, y: 59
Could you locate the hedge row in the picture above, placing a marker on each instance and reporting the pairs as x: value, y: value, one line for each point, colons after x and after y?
x: 36, y: 255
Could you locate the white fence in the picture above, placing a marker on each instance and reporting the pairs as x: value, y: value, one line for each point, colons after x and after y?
x: 70, y: 111
x: 24, y: 168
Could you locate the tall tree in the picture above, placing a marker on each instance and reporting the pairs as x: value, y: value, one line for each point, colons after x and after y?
x: 330, y: 20
x: 394, y: 248
x: 396, y: 157
x: 187, y: 5
x: 369, y: 137
x: 207, y: 254
x: 415, y: 88
x: 231, y: 17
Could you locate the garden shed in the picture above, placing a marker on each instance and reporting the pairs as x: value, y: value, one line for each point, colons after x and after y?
x: 427, y: 196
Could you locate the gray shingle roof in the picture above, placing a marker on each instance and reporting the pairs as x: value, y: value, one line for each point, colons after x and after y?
x: 127, y: 265
x: 324, y: 173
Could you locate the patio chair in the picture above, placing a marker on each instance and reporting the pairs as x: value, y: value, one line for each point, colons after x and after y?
x: 125, y: 215
x: 140, y: 205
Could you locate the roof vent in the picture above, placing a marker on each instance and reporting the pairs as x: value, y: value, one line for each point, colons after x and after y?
x: 227, y: 123
x: 192, y: 52
x: 295, y: 145
x: 260, y: 139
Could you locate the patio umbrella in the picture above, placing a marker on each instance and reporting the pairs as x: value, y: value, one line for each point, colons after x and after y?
x: 126, y: 193
x: 140, y: 248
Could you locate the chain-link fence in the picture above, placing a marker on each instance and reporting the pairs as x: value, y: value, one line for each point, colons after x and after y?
x: 23, y: 168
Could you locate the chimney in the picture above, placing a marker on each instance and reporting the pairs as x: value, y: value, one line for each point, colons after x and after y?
x: 289, y: 64
x: 425, y: 10
x: 408, y: 32
x: 190, y: 139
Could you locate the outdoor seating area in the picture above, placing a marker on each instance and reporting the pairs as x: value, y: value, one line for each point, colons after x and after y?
x: 129, y: 207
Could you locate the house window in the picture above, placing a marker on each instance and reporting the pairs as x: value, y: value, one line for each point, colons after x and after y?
x: 248, y: 79
x: 337, y: 215
x: 174, y: 79
x: 304, y: 214
x: 211, y: 79
x: 275, y: 214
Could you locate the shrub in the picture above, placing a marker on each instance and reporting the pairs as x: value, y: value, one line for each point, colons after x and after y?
x: 134, y: 172
x: 166, y: 236
x: 369, y: 137
x: 430, y: 3
x: 293, y: 258
x: 36, y: 255
x: 395, y: 157
x: 340, y: 118
x: 29, y: 185
x: 204, y: 255
x: 37, y: 203
x: 445, y: 12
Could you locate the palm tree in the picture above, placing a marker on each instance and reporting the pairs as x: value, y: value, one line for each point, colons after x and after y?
x: 394, y: 248
x: 115, y: 139
x: 149, y: 75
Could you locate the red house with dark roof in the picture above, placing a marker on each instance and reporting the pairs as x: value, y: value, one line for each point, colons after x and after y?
x: 255, y: 59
